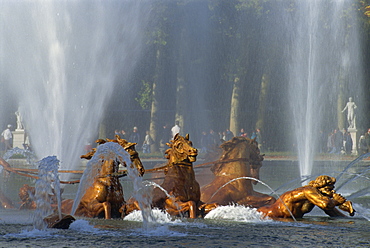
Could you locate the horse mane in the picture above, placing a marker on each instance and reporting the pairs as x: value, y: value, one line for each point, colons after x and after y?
x: 228, y: 147
x: 170, y: 153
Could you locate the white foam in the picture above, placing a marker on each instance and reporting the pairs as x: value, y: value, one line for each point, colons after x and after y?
x: 236, y: 213
x: 83, y: 226
x: 159, y: 217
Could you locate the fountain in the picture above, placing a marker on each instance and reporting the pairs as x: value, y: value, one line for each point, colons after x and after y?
x: 100, y: 191
x: 63, y: 66
x: 323, y: 62
x: 47, y: 194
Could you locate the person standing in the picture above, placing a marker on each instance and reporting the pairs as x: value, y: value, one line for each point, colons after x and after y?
x: 165, y: 137
x: 367, y: 139
x: 116, y: 132
x: 147, y: 142
x: 338, y: 141
x: 123, y: 134
x: 228, y: 135
x: 7, y: 137
x: 330, y: 143
x: 175, y: 129
x: 204, y: 142
x: 347, y: 140
x: 242, y: 133
x: 135, y: 136
x: 362, y: 146
x: 213, y: 139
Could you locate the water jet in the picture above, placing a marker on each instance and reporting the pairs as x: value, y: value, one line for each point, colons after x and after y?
x: 61, y: 61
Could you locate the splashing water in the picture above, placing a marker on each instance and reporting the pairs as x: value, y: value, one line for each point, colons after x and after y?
x: 107, y: 151
x: 257, y: 180
x: 157, y: 216
x: 46, y: 186
x: 149, y: 183
x: 247, y: 178
x: 30, y: 156
x: 236, y: 213
x: 143, y: 196
x: 113, y: 151
x: 83, y: 226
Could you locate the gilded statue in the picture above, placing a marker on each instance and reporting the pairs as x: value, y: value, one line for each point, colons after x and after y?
x: 298, y: 202
x: 179, y: 180
x: 105, y: 197
x: 240, y: 158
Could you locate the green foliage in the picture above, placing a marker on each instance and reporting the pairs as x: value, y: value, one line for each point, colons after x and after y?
x: 159, y: 37
x: 145, y: 95
x: 156, y: 33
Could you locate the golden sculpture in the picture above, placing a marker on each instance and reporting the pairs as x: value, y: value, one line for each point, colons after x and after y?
x: 319, y: 192
x: 240, y: 158
x: 26, y: 194
x: 105, y: 197
x: 54, y: 221
x: 179, y: 180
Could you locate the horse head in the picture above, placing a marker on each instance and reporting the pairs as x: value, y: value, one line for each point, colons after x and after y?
x: 239, y: 151
x: 134, y: 155
x: 128, y: 146
x: 181, y: 150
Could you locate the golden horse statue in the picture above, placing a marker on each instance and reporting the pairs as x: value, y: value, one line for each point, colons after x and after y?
x: 240, y: 158
x: 179, y: 180
x: 105, y: 197
x: 319, y: 192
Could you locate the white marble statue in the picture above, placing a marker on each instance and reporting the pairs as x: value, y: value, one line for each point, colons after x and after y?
x: 351, y: 116
x: 19, y: 120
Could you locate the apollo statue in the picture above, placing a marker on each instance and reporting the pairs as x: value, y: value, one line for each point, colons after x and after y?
x: 19, y: 120
x: 351, y: 115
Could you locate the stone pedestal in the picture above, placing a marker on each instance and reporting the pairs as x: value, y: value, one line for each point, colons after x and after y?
x: 18, y: 138
x: 353, y: 133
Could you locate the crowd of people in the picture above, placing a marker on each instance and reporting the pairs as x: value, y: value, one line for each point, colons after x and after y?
x: 144, y: 143
x: 207, y: 141
x: 336, y: 142
x: 341, y: 142
x: 364, y: 143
